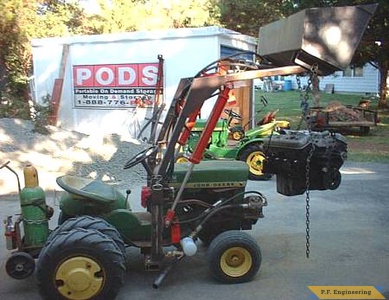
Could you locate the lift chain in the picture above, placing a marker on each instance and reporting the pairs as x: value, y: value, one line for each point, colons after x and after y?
x: 304, y: 97
x: 307, y: 198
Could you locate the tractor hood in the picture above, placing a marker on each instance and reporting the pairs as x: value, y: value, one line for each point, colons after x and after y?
x: 326, y: 37
x: 212, y: 174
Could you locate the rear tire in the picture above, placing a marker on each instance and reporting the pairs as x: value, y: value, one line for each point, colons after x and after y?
x: 254, y: 157
x: 80, y: 264
x: 94, y: 223
x: 234, y: 257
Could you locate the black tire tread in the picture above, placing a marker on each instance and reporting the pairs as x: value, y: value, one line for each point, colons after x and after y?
x: 228, y: 239
x: 79, y: 241
x: 95, y: 223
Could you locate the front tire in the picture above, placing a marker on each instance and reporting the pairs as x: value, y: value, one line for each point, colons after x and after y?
x: 80, y: 264
x: 254, y: 157
x: 237, y: 134
x: 234, y: 257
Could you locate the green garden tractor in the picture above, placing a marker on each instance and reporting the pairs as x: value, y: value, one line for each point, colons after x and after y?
x: 84, y: 256
x: 246, y: 145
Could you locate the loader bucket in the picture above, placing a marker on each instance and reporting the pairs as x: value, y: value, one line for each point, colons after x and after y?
x: 326, y: 37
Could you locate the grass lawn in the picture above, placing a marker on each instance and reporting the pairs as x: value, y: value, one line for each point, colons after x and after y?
x: 373, y: 147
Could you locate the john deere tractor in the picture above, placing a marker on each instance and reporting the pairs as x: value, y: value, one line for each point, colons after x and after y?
x: 84, y: 256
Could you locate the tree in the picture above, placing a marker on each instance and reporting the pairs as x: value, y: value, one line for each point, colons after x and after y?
x: 124, y: 16
x: 14, y: 57
x: 21, y: 21
x: 246, y: 16
x: 374, y: 48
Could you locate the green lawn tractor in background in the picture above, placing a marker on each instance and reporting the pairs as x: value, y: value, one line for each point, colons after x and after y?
x: 84, y: 256
x: 247, y: 145
x: 239, y: 131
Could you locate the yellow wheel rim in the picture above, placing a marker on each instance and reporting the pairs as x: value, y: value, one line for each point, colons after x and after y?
x: 236, y: 262
x: 236, y: 135
x: 79, y: 278
x: 255, y: 162
x: 182, y: 159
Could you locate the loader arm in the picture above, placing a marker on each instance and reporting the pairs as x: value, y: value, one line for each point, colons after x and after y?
x: 193, y: 93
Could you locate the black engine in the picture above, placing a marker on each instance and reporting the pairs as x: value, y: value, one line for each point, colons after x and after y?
x: 305, y: 160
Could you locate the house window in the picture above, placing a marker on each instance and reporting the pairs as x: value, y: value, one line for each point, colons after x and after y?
x: 353, y: 72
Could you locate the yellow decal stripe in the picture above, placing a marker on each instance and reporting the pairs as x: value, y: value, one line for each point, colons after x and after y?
x: 346, y: 292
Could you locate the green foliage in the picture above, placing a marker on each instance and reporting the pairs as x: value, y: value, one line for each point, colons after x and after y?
x: 14, y: 108
x: 246, y: 16
x: 375, y: 47
x: 23, y: 20
x: 122, y: 15
x: 40, y: 115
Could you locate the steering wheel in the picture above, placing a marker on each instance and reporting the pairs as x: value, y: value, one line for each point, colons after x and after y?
x: 141, y: 158
x: 233, y: 114
x: 270, y: 116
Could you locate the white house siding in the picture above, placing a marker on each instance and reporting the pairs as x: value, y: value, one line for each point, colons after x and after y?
x: 369, y: 83
x: 366, y: 84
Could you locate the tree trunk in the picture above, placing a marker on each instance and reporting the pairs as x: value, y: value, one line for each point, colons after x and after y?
x: 382, y: 103
x: 315, y: 90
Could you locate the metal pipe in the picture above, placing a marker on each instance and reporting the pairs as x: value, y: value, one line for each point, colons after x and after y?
x: 165, y: 272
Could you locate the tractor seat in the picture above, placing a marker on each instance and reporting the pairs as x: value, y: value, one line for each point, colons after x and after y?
x: 88, y: 188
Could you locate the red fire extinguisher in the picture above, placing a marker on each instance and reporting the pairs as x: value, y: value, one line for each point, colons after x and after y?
x: 10, y: 233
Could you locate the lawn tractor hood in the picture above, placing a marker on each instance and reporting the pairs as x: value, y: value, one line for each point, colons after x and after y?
x: 298, y: 157
x: 326, y: 37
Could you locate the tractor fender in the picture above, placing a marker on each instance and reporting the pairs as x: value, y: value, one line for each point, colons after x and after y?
x: 133, y: 226
x: 244, y: 145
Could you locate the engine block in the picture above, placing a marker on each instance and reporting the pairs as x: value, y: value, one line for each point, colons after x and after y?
x: 304, y: 160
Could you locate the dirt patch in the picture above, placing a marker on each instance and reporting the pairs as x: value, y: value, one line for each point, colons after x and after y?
x: 66, y: 152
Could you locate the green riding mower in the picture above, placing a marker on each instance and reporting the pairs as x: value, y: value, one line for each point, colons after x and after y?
x: 246, y: 145
x: 239, y: 131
